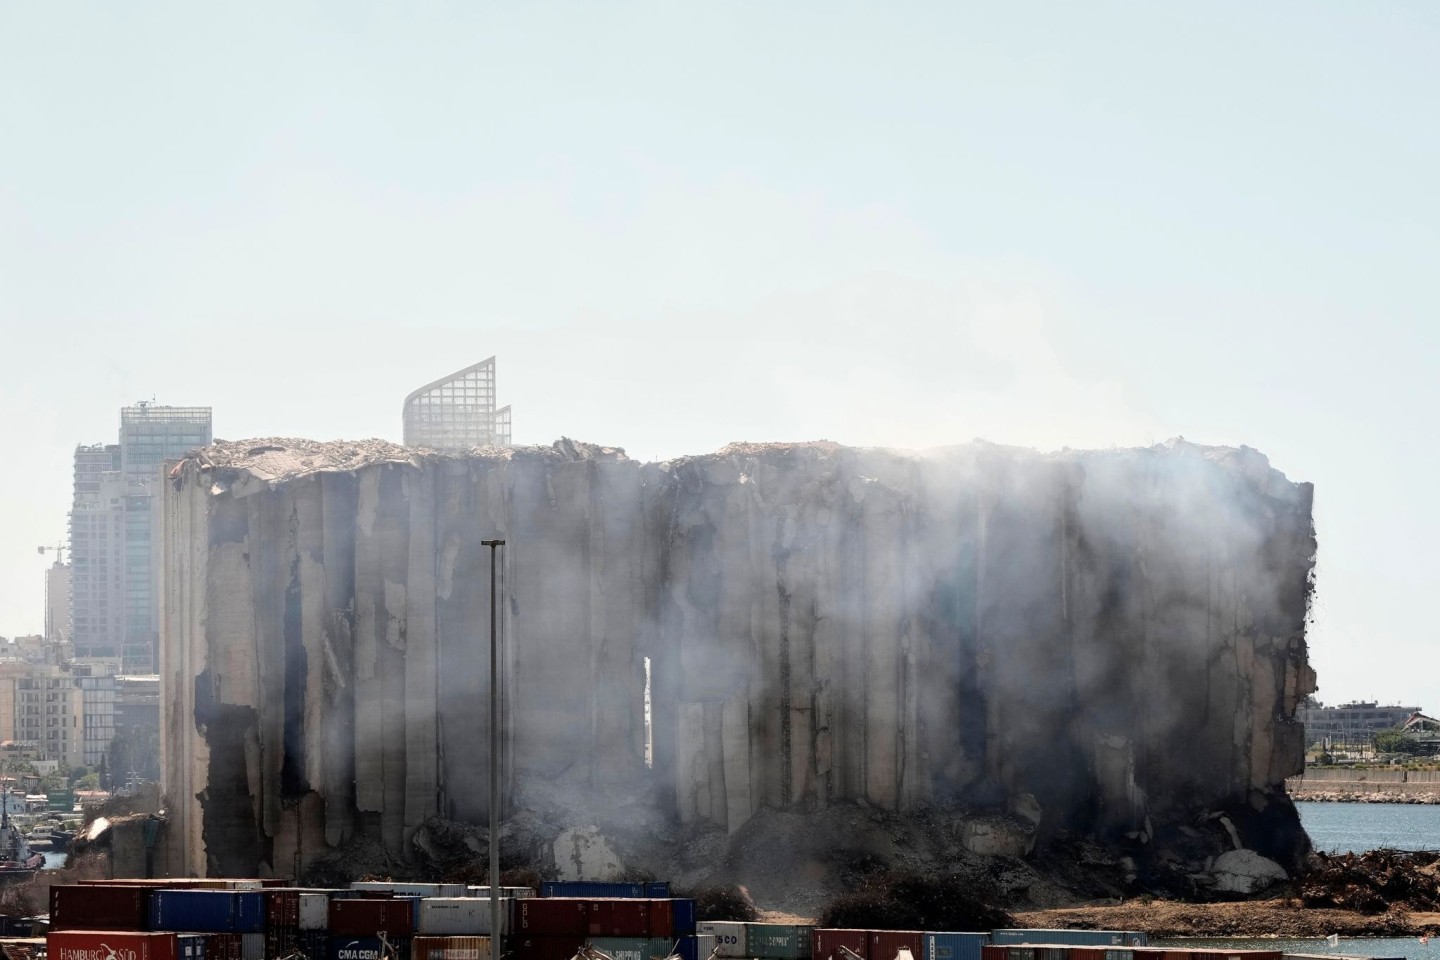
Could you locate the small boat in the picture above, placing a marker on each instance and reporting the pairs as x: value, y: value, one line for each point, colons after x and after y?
x: 17, y: 860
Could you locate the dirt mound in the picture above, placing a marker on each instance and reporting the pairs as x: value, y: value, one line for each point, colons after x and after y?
x: 1373, y: 882
x: 1268, y: 918
x: 909, y: 901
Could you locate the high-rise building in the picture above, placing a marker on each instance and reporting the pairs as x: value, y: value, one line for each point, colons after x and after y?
x: 112, y: 535
x: 97, y: 550
x: 68, y: 712
x: 149, y: 436
x: 57, y: 603
x: 457, y: 412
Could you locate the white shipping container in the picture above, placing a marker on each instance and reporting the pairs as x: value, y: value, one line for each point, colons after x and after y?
x: 514, y: 893
x: 704, y: 946
x: 729, y: 937
x: 252, y: 946
x: 384, y: 886
x: 428, y: 889
x: 461, y: 916
x: 314, y: 911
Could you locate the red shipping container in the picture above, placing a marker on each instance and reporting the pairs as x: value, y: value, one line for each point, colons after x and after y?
x: 994, y: 951
x: 628, y: 917
x: 99, y: 908
x: 551, y: 917
x: 366, y: 918
x: 1088, y: 953
x: 546, y: 948
x: 825, y: 944
x: 223, y: 946
x: 887, y: 944
x: 106, y: 944
x: 662, y: 920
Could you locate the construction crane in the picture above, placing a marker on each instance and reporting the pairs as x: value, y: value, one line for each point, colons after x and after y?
x: 58, y: 550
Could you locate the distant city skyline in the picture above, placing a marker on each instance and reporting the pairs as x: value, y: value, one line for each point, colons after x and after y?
x: 1042, y: 224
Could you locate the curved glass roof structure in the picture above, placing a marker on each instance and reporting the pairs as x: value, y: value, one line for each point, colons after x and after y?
x: 457, y: 412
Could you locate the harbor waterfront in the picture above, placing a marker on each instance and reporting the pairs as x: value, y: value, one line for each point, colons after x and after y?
x: 1357, y: 827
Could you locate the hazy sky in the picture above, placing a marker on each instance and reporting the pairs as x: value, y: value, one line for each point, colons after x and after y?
x: 682, y: 224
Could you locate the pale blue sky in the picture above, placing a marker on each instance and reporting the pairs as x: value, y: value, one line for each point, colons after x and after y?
x: 683, y: 224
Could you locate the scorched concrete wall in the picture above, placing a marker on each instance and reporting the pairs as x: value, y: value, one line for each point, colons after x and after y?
x: 1119, y: 634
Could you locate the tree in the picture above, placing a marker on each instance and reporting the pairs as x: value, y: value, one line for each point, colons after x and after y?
x: 1398, y: 741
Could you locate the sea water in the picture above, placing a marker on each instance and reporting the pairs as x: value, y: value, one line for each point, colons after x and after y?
x: 1357, y: 827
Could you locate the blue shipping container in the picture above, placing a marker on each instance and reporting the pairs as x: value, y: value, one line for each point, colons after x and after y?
x: 208, y: 911
x: 657, y: 890
x: 954, y: 946
x: 682, y: 913
x: 190, y: 946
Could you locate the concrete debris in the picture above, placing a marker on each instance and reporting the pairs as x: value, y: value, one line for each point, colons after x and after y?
x: 1118, y: 635
x: 1245, y: 872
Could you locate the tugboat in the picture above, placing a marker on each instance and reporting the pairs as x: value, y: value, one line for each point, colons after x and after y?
x: 17, y: 860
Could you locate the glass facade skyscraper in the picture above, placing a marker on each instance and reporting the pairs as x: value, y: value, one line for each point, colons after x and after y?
x: 112, y: 532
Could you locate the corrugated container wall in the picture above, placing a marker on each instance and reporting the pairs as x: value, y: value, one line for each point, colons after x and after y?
x: 955, y: 946
x: 450, y: 948
x: 730, y: 937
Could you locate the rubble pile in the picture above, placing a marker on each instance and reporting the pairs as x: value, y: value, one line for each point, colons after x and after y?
x: 1373, y: 882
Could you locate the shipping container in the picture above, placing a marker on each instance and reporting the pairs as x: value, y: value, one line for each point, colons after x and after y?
x: 994, y: 952
x: 546, y: 948
x: 697, y: 947
x: 955, y: 946
x: 513, y: 893
x: 658, y: 889
x: 623, y: 917
x: 106, y: 944
x: 401, y: 889
x: 208, y: 911
x: 887, y: 944
x: 551, y: 918
x: 191, y: 946
x: 367, y: 918
x: 282, y: 904
x: 368, y: 948
x: 662, y: 919
x: 833, y: 944
x: 450, y: 948
x: 461, y: 916
x: 1071, y: 938
x: 252, y: 946
x: 597, y: 889
x: 1102, y: 953
x: 780, y: 941
x: 682, y: 913
x: 99, y: 907
x: 223, y: 946
x: 730, y: 937
x: 313, y: 944
x: 281, y: 941
x: 313, y: 912
x: 632, y: 948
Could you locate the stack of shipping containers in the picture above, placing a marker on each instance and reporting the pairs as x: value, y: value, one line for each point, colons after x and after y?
x: 381, y: 920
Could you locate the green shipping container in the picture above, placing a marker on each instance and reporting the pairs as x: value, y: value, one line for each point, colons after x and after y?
x: 632, y: 948
x: 778, y: 941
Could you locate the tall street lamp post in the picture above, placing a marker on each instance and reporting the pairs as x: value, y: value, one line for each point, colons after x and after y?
x: 494, y: 757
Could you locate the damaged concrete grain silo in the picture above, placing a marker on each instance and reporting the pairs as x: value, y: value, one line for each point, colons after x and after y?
x: 1118, y: 635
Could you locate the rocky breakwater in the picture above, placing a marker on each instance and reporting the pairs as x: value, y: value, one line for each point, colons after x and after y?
x: 1104, y: 643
